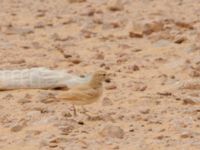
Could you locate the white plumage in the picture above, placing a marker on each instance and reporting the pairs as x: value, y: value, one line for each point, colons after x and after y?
x: 39, y: 78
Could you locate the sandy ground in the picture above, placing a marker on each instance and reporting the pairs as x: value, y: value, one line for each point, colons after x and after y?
x: 146, y: 47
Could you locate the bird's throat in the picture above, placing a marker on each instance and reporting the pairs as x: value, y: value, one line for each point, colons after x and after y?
x: 94, y: 83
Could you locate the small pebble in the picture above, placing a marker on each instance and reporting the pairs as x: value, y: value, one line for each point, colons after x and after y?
x: 106, y: 101
x: 76, y: 1
x: 112, y: 131
x: 111, y: 87
x: 186, y: 135
x: 76, y: 61
x: 16, y: 128
x: 144, y: 110
x: 115, y: 5
x: 180, y: 39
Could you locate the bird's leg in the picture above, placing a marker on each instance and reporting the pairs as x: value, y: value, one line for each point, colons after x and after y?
x: 84, y: 111
x: 74, y: 110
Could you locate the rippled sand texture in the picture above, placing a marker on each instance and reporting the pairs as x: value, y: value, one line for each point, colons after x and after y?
x: 149, y: 48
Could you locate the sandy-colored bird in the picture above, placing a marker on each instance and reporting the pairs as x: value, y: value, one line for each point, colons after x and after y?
x: 85, y: 93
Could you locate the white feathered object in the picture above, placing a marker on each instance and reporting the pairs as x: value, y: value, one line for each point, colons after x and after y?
x: 38, y: 78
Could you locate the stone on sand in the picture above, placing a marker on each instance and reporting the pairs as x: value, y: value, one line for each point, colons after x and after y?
x: 112, y: 132
x: 115, y: 5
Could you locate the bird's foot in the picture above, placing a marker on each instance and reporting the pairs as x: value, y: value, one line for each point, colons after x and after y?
x: 74, y: 110
x: 85, y: 111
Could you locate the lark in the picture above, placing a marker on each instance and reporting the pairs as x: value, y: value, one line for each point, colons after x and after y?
x: 87, y: 93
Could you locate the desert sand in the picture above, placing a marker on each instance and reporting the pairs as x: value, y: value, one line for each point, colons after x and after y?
x: 149, y: 48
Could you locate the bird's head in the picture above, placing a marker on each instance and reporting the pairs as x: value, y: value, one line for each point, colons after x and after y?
x: 100, y: 75
x: 98, y: 78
